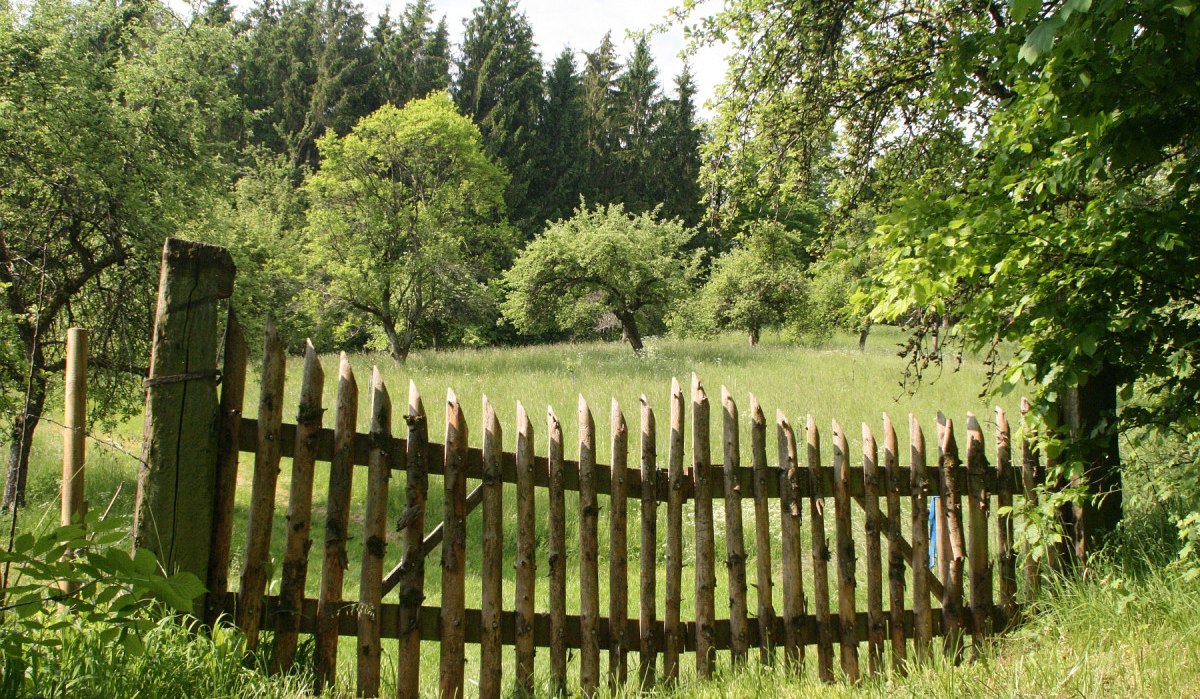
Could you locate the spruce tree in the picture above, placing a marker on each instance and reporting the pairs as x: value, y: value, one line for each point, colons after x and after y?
x: 306, y: 68
x: 500, y: 87
x: 677, y: 142
x: 637, y: 123
x: 562, y: 170
x: 600, y: 106
x: 217, y: 13
x: 412, y: 56
x: 432, y: 66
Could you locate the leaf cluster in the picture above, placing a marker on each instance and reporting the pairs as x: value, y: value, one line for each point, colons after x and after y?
x: 600, y: 261
x: 406, y: 218
x: 80, y: 575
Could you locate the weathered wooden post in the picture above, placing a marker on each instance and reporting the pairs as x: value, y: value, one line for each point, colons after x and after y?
x: 177, y: 481
x: 74, y: 426
x: 74, y: 507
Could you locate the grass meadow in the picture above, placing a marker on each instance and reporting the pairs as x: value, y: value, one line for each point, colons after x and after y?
x: 1076, y: 648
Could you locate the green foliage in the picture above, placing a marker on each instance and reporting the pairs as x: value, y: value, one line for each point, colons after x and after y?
x: 817, y: 91
x: 500, y: 87
x: 757, y: 285
x: 262, y: 225
x: 181, y: 661
x: 825, y: 310
x: 600, y: 112
x: 113, y: 593
x: 1072, y: 233
x: 602, y: 262
x: 1074, y: 236
x: 562, y: 158
x: 637, y: 115
x: 411, y: 56
x: 109, y: 115
x: 304, y: 67
x: 677, y: 162
x: 406, y: 221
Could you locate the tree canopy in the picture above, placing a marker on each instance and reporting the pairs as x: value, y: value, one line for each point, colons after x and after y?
x: 108, y: 143
x: 1073, y: 232
x: 601, y: 263
x: 406, y: 216
x: 1034, y: 164
x: 759, y: 284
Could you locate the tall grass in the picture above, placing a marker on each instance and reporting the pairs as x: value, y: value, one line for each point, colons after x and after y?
x: 176, y: 663
x: 1127, y: 630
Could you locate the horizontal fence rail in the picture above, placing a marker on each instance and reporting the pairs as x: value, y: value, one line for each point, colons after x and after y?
x: 821, y: 484
x: 973, y: 591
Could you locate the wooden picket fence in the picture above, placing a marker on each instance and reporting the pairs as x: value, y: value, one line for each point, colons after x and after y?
x: 777, y: 490
x: 782, y: 628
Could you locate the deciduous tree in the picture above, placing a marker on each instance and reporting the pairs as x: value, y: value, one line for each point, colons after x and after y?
x: 406, y: 219
x: 109, y: 115
x: 601, y: 261
x: 759, y: 284
x: 1072, y: 232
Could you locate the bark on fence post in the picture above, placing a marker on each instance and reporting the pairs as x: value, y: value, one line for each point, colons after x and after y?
x: 735, y: 545
x: 177, y: 480
x: 762, y: 532
x: 526, y: 566
x: 233, y: 397
x: 706, y: 579
x: 557, y: 558
x: 648, y: 564
x: 492, y: 568
x: 589, y: 549
x: 675, y: 496
x: 820, y: 554
x: 618, y: 544
x: 454, y: 551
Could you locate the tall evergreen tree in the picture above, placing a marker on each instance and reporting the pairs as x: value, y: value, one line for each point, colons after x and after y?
x: 562, y: 169
x: 600, y: 106
x: 343, y: 70
x: 636, y: 123
x: 217, y: 13
x: 432, y: 70
x: 382, y: 43
x: 500, y: 87
x: 412, y: 56
x: 305, y: 68
x: 677, y: 142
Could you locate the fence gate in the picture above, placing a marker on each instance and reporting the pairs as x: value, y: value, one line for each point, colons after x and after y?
x: 795, y: 610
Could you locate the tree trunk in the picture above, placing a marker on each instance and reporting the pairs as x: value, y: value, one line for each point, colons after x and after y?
x: 862, y: 337
x: 755, y: 334
x: 629, y: 330
x: 21, y: 441
x: 398, y: 346
x: 1093, y: 420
